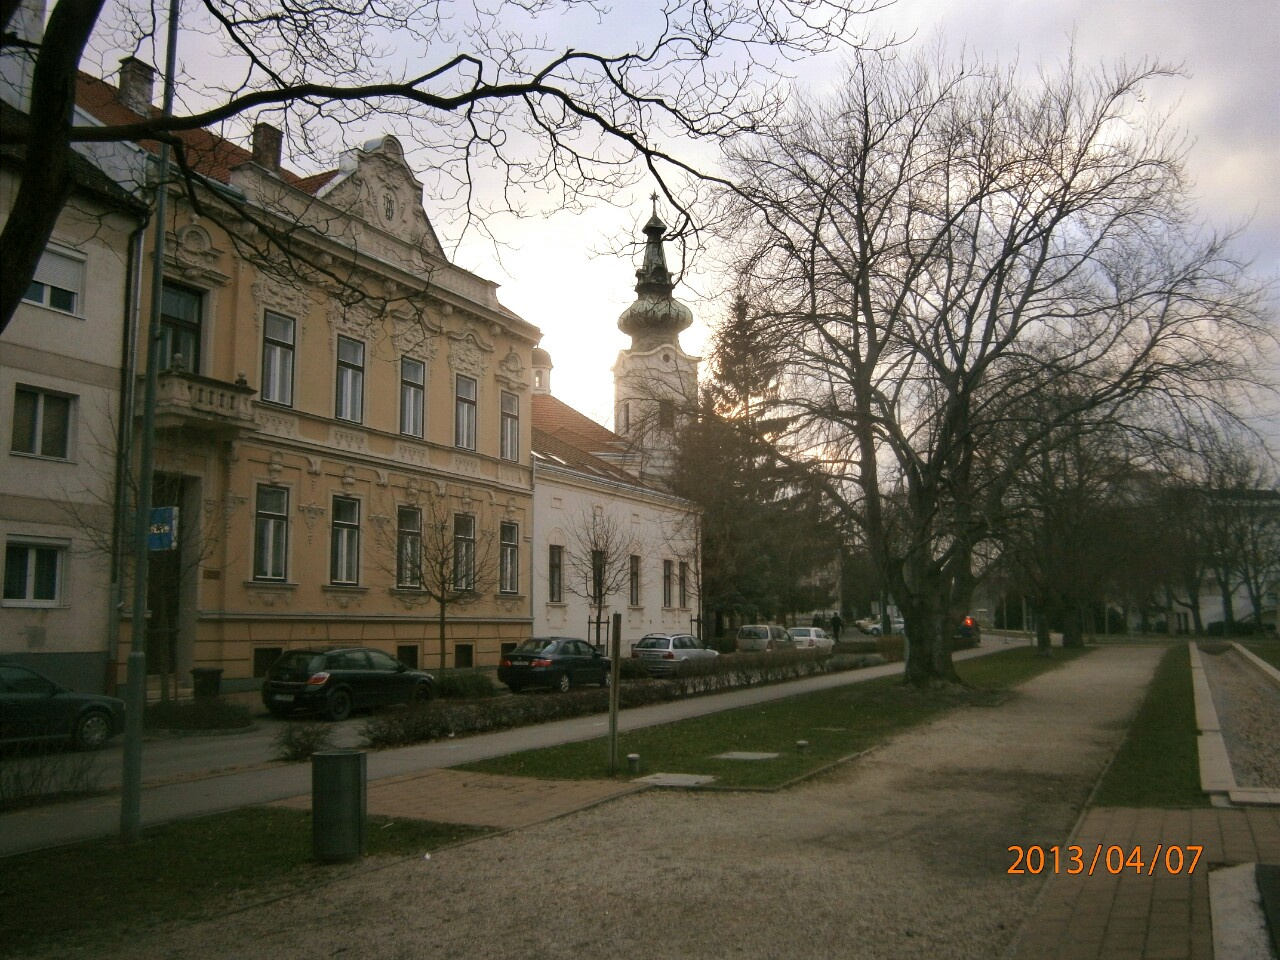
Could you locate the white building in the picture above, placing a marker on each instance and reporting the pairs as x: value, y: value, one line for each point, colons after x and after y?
x: 655, y: 381
x: 600, y: 531
x: 62, y: 379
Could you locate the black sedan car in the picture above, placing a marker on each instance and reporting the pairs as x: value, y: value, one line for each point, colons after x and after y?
x: 335, y: 682
x: 557, y: 662
x: 35, y: 708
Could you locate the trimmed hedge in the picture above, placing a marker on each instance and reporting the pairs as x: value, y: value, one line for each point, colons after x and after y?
x: 465, y: 685
x: 440, y: 719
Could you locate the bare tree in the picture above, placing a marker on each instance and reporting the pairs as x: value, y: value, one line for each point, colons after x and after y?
x: 505, y: 118
x: 436, y: 549
x: 936, y: 246
x: 599, y: 559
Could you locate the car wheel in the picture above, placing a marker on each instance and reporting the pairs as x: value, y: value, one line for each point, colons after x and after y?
x: 339, y: 707
x: 422, y: 693
x: 92, y: 731
x: 564, y: 683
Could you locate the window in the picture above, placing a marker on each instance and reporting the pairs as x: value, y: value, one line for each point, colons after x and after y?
x: 58, y: 281
x: 409, y: 548
x: 508, y: 558
x: 464, y: 551
x: 413, y: 380
x: 666, y: 583
x: 666, y: 414
x: 684, y: 584
x: 624, y: 416
x: 271, y: 533
x: 509, y: 444
x: 41, y: 423
x: 555, y: 574
x: 33, y: 573
x: 277, y: 359
x: 350, y: 388
x: 344, y: 555
x: 634, y: 599
x: 464, y: 423
x: 407, y: 653
x: 180, y: 328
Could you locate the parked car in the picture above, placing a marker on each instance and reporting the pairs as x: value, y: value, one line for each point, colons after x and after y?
x: 556, y: 662
x: 896, y: 625
x: 335, y: 682
x: 34, y: 707
x: 763, y: 637
x: 812, y: 638
x: 866, y: 623
x: 667, y: 653
x: 968, y: 629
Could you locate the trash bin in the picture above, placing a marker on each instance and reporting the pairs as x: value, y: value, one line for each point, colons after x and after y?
x: 338, y: 805
x: 206, y: 681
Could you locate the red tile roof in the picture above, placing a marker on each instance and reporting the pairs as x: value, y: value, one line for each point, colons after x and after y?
x: 565, y: 436
x: 207, y: 153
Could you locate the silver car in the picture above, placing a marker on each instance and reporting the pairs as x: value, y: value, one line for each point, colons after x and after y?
x: 668, y: 653
x: 812, y: 638
x: 763, y: 637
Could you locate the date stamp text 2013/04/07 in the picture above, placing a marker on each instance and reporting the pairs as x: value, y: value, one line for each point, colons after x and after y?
x: 1112, y: 859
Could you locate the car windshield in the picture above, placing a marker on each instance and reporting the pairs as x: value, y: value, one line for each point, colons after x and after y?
x: 302, y: 660
x: 654, y: 643
x: 537, y: 645
x: 754, y: 633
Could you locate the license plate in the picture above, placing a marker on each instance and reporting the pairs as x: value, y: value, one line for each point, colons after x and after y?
x: 283, y: 697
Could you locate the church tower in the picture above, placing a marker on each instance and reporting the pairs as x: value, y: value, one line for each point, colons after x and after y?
x: 655, y: 383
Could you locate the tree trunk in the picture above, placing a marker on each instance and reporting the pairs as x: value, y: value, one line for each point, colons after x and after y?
x: 1072, y: 633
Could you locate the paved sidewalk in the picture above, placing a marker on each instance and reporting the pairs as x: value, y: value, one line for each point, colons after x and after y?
x: 1151, y: 915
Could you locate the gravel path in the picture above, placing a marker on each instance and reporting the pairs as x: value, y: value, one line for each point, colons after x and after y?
x: 1248, y: 706
x: 900, y: 854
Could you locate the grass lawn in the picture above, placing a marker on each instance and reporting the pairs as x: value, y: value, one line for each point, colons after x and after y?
x: 104, y: 890
x: 836, y: 723
x: 1158, y: 764
x: 1268, y: 650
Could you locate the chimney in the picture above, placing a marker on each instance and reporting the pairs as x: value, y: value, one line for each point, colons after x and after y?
x: 136, y: 82
x: 266, y: 146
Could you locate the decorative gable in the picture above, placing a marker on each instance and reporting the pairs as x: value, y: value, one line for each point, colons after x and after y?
x: 375, y: 184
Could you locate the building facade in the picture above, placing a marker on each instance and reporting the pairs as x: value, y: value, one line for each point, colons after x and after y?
x: 341, y: 415
x: 605, y: 541
x: 61, y: 413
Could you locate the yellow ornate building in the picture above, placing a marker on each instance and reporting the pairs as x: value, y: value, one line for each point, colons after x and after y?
x: 342, y: 418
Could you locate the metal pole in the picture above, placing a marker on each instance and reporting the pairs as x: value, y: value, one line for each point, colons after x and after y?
x: 615, y: 670
x: 131, y: 775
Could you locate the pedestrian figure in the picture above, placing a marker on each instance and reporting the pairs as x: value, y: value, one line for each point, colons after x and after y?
x: 836, y: 624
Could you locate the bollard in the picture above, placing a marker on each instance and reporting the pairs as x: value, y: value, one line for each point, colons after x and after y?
x: 633, y: 762
x: 338, y: 799
x: 802, y: 745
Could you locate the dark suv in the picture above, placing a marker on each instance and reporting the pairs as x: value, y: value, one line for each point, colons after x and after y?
x: 335, y: 682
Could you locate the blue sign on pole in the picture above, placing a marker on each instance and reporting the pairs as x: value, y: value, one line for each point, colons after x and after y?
x: 163, y: 534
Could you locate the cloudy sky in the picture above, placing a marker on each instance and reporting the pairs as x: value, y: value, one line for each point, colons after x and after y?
x: 1229, y: 105
x: 553, y: 272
